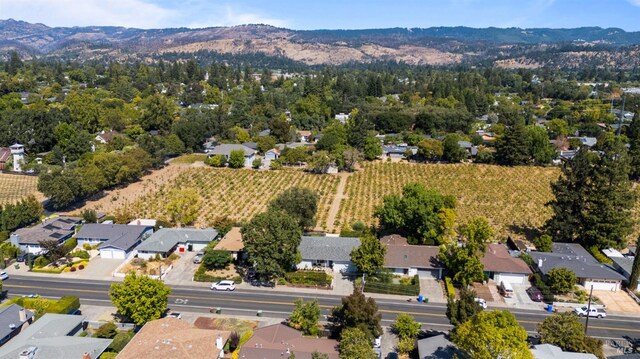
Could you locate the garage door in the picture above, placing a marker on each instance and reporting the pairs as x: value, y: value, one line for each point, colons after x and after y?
x: 428, y: 273
x: 602, y: 285
x: 510, y: 278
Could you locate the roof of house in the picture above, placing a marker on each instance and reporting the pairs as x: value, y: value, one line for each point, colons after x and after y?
x: 575, y: 258
x: 5, y: 153
x: 232, y: 241
x: 166, y: 239
x: 625, y: 263
x: 143, y: 222
x: 172, y: 338
x: 11, y: 315
x: 124, y: 237
x: 400, y: 254
x: 107, y: 232
x: 227, y: 148
x: 497, y: 259
x: 548, y: 351
x: 251, y: 145
x: 304, y: 133
x: 437, y: 347
x: 52, y: 335
x: 107, y: 136
x: 337, y: 249
x: 264, y: 133
x: 50, y: 229
x: 272, y: 342
x: 274, y: 150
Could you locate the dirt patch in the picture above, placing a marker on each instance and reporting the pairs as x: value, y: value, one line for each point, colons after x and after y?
x: 141, y: 266
x: 230, y: 324
x: 228, y: 272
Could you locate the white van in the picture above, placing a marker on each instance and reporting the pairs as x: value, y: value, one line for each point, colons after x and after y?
x: 506, y: 289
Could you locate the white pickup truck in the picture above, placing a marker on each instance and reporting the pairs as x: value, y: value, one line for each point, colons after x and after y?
x: 593, y: 312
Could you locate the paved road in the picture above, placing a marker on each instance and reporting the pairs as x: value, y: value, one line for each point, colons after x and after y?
x: 279, y: 304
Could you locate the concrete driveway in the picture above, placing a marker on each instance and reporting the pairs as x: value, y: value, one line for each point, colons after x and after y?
x: 432, y: 289
x: 183, y: 269
x: 98, y: 268
x: 617, y: 302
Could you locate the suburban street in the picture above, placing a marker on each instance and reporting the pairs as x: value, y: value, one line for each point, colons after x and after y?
x: 274, y: 303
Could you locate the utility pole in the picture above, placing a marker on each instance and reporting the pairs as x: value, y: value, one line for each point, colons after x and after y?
x: 586, y: 325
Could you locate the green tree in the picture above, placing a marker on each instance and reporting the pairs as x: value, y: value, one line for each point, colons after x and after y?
x: 461, y: 310
x: 72, y: 141
x: 271, y: 240
x: 541, y: 150
x: 417, y: 213
x: 305, y: 316
x: 478, y: 233
x: 140, y: 298
x: 183, y: 206
x: 369, y: 256
x: 431, y: 149
x: 513, y: 148
x: 354, y: 344
x: 214, y: 259
x: 567, y: 332
x: 372, y: 148
x: 300, y: 203
x: 451, y: 150
x: 157, y: 113
x: 317, y: 355
x: 357, y: 311
x: 635, y: 273
x: 463, y: 262
x: 489, y: 335
x: 216, y: 161
x: 544, y: 243
x: 634, y: 147
x: 174, y: 145
x: 236, y: 159
x: 561, y: 280
x: 320, y: 162
x: 90, y: 216
x: 107, y: 330
x: 406, y: 327
x: 265, y: 143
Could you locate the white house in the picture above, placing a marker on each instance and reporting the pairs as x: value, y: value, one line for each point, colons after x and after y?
x: 115, y: 241
x: 167, y: 240
x: 500, y: 266
x: 226, y: 149
x: 410, y: 260
x: 328, y: 252
x: 57, y: 229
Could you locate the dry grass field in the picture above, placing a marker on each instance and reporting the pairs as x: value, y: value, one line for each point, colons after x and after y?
x: 15, y: 187
x: 505, y: 195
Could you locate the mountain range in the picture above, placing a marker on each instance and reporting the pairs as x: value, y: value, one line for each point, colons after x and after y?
x: 505, y: 47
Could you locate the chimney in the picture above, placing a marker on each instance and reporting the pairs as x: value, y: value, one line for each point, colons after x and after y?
x: 22, y: 315
x: 539, y: 262
x: 86, y: 355
x: 219, y: 343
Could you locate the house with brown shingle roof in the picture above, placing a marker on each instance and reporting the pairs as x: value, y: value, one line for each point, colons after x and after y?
x: 172, y: 338
x: 502, y: 267
x: 279, y: 341
x: 231, y: 242
x: 409, y: 259
x: 5, y: 153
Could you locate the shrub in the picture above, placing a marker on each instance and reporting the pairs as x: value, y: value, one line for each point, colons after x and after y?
x: 41, y: 261
x: 86, y: 246
x: 451, y: 293
x: 81, y: 267
x: 108, y: 355
x: 595, y: 252
x: 70, y: 244
x: 234, y: 341
x: 80, y: 254
x: 308, y: 278
x: 120, y: 340
x: 539, y: 283
x: 72, y: 269
x: 217, y: 259
x: 107, y: 330
x: 561, y: 280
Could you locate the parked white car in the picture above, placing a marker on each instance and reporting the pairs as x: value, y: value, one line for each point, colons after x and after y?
x: 4, y: 275
x: 593, y: 312
x: 481, y: 302
x: 227, y: 285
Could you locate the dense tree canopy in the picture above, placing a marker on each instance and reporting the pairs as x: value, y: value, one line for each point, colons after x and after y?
x: 140, y: 298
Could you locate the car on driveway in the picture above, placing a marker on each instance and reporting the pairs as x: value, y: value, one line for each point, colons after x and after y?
x: 175, y: 315
x: 4, y: 275
x: 227, y: 285
x: 592, y: 312
x: 481, y: 302
x: 197, y: 259
x: 535, y: 294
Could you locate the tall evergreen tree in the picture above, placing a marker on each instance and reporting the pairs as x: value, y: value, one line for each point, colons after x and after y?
x: 513, y: 148
x: 634, y: 149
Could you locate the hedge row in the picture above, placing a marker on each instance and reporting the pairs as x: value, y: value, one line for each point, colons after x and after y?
x: 61, y: 306
x: 391, y: 288
x: 308, y: 278
x: 243, y: 339
x: 451, y: 292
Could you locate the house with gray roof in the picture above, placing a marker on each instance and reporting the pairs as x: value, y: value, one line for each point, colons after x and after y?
x: 624, y: 265
x: 574, y: 257
x: 116, y: 241
x: 54, y: 336
x: 56, y: 229
x: 12, y: 319
x: 328, y: 252
x: 548, y: 351
x: 225, y: 151
x: 167, y: 240
x: 438, y: 347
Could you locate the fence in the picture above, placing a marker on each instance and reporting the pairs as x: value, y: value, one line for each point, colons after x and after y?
x: 121, y: 326
x: 632, y: 295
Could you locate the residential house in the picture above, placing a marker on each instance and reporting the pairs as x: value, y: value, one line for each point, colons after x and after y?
x: 115, y: 241
x: 439, y: 347
x: 280, y: 341
x: 172, y: 338
x: 232, y: 243
x: 586, y: 141
x: 304, y: 136
x: 264, y: 133
x: 143, y: 222
x: 251, y: 145
x: 409, y: 259
x: 105, y: 137
x: 13, y: 318
x: 54, y: 336
x: 500, y: 266
x: 272, y: 154
x: 203, y: 106
x: 398, y: 151
x: 342, y: 118
x: 548, y: 351
x: 209, y: 144
x: 57, y: 229
x: 5, y: 154
x: 469, y: 147
x: 225, y: 151
x: 626, y: 115
x: 574, y: 257
x: 328, y: 252
x: 166, y: 240
x: 623, y: 264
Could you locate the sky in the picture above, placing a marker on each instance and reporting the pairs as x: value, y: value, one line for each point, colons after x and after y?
x: 327, y: 14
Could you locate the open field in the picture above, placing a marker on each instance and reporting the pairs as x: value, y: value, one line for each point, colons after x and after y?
x: 505, y: 195
x: 15, y: 187
x: 238, y: 194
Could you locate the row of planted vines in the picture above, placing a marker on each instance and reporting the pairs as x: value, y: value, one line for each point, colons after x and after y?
x: 505, y: 195
x: 15, y: 187
x: 237, y: 194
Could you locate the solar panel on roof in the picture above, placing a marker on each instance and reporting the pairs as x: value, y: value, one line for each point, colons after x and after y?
x: 57, y: 235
